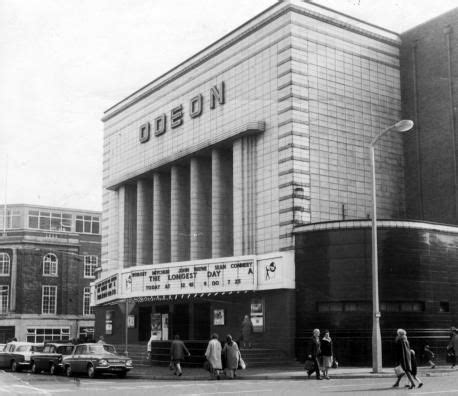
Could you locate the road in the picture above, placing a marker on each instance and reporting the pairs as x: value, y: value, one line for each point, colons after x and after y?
x: 29, y: 384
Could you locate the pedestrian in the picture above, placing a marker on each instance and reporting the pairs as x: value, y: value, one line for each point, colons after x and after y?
x: 178, y: 351
x: 213, y: 355
x: 429, y: 356
x: 231, y: 356
x: 247, y: 330
x: 452, y: 347
x: 314, y: 352
x: 101, y: 340
x: 326, y: 353
x: 403, y: 358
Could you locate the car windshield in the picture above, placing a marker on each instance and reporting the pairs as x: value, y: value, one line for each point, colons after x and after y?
x: 22, y: 348
x: 102, y: 348
x: 65, y: 349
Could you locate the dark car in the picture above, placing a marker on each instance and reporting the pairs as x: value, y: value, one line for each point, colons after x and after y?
x: 96, y: 358
x: 17, y: 355
x: 51, y: 358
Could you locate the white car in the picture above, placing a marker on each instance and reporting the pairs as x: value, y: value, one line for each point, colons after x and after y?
x: 17, y: 355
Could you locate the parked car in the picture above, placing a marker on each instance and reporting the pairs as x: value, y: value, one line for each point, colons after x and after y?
x: 96, y: 358
x: 17, y: 355
x: 51, y: 358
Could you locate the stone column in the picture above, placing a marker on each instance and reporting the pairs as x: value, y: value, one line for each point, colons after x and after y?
x: 222, y: 220
x: 244, y: 195
x: 144, y: 222
x: 161, y: 218
x: 179, y: 214
x: 127, y: 225
x: 200, y: 190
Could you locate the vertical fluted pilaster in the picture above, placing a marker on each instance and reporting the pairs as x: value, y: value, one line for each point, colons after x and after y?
x: 144, y: 222
x: 179, y: 214
x: 161, y: 218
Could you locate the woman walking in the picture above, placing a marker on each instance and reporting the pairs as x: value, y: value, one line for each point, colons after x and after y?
x: 403, y: 358
x: 213, y: 355
x: 326, y: 353
x: 231, y: 355
x: 247, y: 329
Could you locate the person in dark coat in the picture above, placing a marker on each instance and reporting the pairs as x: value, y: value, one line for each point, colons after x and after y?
x: 452, y: 347
x: 177, y: 352
x: 326, y: 353
x: 403, y: 357
x: 429, y: 356
x: 246, y: 330
x: 314, y: 352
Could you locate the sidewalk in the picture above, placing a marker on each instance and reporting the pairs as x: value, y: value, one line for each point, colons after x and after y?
x: 293, y: 372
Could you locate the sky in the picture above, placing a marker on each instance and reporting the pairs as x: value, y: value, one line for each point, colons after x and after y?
x: 64, y: 62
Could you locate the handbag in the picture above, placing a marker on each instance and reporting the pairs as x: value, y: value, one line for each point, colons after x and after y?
x: 335, y: 363
x: 398, y: 370
x: 207, y: 366
x: 309, y: 364
x: 242, y: 364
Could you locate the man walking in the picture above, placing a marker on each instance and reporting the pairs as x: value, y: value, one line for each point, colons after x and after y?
x: 177, y: 352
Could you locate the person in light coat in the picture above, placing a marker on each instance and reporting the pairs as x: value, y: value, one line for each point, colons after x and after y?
x: 213, y: 355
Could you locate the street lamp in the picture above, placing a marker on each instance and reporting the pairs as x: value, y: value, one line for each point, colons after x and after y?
x: 401, y: 126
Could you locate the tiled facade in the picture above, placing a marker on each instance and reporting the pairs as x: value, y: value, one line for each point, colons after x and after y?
x: 224, y: 156
x: 322, y: 89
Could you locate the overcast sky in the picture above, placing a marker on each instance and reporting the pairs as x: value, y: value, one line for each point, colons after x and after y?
x: 64, y: 62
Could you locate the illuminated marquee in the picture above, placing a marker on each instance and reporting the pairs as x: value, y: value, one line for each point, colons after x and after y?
x: 106, y: 288
x: 194, y: 278
x: 196, y: 105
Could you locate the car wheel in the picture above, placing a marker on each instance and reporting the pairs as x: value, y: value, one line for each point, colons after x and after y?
x: 122, y: 375
x: 52, y: 369
x: 90, y: 371
x: 68, y: 371
x: 14, y: 367
x: 34, y: 368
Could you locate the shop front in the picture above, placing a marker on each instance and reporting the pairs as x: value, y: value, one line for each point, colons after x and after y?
x: 196, y: 299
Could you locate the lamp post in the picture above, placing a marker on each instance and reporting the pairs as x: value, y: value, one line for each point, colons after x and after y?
x: 401, y: 126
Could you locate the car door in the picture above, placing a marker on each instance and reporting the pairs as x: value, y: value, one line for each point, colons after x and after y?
x: 4, y: 356
x: 73, y: 359
x: 80, y: 360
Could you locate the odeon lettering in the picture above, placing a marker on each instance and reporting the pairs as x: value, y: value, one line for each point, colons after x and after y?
x: 177, y: 114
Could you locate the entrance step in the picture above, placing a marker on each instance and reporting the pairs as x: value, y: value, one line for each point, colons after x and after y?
x: 253, y: 357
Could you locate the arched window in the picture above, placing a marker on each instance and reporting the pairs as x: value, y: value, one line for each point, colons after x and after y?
x: 50, y: 264
x: 4, y: 263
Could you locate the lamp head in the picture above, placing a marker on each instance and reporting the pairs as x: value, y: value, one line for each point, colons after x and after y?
x: 402, y: 126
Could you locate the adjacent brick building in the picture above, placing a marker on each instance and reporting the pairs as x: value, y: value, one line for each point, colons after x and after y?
x: 48, y: 258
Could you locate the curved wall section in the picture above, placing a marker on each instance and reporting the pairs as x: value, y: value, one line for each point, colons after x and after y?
x: 418, y: 274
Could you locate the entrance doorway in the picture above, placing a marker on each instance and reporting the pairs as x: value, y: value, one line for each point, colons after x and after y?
x: 202, y: 321
x: 180, y: 321
x: 144, y: 323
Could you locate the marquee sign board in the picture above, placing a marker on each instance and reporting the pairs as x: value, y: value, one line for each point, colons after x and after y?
x: 231, y: 274
x: 193, y: 278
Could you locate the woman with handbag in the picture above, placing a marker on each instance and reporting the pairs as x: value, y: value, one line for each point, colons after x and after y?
x: 326, y: 353
x: 231, y: 355
x: 213, y: 355
x: 403, y: 359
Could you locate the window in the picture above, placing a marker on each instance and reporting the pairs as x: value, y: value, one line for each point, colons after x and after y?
x: 48, y: 334
x: 402, y: 306
x: 4, y: 263
x: 50, y: 221
x: 4, y: 294
x: 48, y: 301
x: 50, y: 264
x: 87, y: 224
x: 87, y: 309
x: 90, y: 264
x: 13, y: 219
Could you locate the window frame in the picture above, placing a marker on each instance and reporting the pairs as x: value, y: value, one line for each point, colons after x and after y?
x: 89, y: 264
x: 4, y: 298
x: 87, y: 309
x: 50, y: 263
x: 42, y: 333
x: 5, y: 263
x: 43, y: 295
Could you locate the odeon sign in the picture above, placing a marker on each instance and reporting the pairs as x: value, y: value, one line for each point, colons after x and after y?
x: 246, y: 273
x: 196, y: 105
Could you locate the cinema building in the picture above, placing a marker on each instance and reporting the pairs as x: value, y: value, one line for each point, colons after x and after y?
x: 239, y: 183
